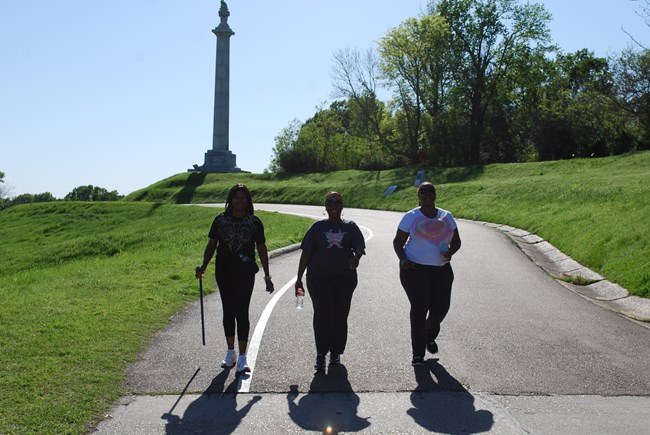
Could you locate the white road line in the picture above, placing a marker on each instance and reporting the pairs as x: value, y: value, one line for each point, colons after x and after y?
x: 243, y: 386
x: 244, y: 383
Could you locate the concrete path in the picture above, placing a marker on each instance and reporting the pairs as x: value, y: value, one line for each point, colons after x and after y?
x: 519, y: 353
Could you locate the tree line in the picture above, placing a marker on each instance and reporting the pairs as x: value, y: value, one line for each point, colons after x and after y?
x: 472, y: 82
x: 81, y: 193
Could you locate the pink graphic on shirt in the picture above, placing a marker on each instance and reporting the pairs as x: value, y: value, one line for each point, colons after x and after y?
x: 432, y: 229
x: 335, y: 238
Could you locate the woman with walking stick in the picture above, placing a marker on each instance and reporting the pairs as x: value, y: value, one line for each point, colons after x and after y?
x: 234, y: 235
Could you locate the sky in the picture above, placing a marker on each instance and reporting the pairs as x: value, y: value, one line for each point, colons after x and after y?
x: 120, y: 94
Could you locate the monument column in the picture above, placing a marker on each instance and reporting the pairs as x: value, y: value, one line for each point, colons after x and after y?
x: 222, y: 81
x: 220, y: 158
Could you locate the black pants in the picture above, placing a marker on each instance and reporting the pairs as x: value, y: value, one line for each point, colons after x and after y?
x: 331, y: 297
x: 429, y: 291
x: 235, y: 290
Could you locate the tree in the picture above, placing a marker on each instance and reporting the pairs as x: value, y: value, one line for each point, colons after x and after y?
x: 5, y: 192
x: 631, y: 72
x: 576, y: 115
x: 486, y: 38
x: 25, y: 198
x: 44, y: 197
x: 283, y: 151
x: 28, y: 198
x: 644, y: 13
x: 413, y: 61
x: 92, y: 193
x: 355, y: 78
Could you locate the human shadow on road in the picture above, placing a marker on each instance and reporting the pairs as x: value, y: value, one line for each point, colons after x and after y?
x: 215, y: 411
x: 442, y: 405
x: 333, y: 412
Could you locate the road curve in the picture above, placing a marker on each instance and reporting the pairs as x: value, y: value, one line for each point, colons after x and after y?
x: 519, y: 353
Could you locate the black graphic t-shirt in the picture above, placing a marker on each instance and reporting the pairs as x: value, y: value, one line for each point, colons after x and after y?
x: 236, y: 236
x: 331, y: 245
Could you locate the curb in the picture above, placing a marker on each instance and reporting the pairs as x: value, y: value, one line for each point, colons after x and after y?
x: 285, y: 250
x: 561, y: 267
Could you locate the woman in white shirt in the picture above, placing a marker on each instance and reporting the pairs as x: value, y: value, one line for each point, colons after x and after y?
x: 426, y: 239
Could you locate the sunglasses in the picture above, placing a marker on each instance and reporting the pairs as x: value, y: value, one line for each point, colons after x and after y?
x: 333, y: 201
x: 427, y: 190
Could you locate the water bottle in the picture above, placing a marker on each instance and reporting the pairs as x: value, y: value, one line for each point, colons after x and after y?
x: 300, y: 298
x: 443, y: 250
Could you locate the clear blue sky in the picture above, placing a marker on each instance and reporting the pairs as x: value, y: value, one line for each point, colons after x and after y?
x: 119, y: 94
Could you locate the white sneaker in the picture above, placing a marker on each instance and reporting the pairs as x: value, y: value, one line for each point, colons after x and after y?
x: 242, y: 365
x: 229, y: 360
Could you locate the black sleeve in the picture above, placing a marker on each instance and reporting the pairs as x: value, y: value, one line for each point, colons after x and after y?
x: 308, y: 241
x: 260, y: 237
x: 358, y: 242
x: 212, y: 234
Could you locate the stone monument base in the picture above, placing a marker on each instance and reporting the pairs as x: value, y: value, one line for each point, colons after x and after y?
x: 218, y: 161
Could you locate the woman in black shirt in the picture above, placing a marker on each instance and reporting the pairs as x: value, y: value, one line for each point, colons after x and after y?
x: 331, y: 250
x: 234, y: 235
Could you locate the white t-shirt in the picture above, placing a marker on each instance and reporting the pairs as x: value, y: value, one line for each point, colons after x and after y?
x: 427, y: 236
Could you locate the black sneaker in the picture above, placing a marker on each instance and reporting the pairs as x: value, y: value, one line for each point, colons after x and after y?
x: 335, y: 359
x: 320, y: 362
x: 432, y: 347
x: 417, y: 361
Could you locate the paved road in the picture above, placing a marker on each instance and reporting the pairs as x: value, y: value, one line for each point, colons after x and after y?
x: 519, y: 353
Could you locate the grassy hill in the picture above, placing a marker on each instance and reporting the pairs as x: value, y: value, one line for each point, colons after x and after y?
x: 84, y: 286
x: 594, y: 210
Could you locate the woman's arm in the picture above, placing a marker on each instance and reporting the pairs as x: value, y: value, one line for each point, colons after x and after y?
x: 454, y: 245
x: 207, y: 256
x: 264, y: 259
x: 398, y: 245
x: 302, y: 265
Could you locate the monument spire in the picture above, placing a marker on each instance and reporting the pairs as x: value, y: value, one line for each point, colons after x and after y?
x: 220, y: 158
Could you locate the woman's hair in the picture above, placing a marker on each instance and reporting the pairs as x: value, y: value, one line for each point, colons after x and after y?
x: 233, y: 191
x: 426, y: 184
x: 333, y: 194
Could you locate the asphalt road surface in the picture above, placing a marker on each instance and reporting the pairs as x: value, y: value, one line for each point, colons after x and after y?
x: 519, y: 354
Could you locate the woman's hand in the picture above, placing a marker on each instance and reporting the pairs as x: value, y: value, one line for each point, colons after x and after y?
x: 269, y: 284
x: 354, y: 262
x: 406, y: 264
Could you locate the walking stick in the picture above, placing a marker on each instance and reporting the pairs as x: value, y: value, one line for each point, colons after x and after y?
x: 202, y: 320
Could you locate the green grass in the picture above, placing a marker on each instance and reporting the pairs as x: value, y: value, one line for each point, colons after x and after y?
x: 84, y: 286
x: 594, y: 210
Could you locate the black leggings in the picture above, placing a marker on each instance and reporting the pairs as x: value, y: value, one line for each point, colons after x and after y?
x: 235, y: 290
x: 331, y: 297
x: 429, y: 291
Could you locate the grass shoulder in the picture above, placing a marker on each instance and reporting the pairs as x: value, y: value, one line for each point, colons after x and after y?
x: 84, y: 287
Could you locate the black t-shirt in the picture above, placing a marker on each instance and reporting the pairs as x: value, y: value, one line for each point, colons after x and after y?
x: 331, y: 245
x: 236, y: 236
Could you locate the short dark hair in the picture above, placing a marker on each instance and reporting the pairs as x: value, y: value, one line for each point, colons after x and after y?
x: 333, y: 194
x: 426, y: 184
